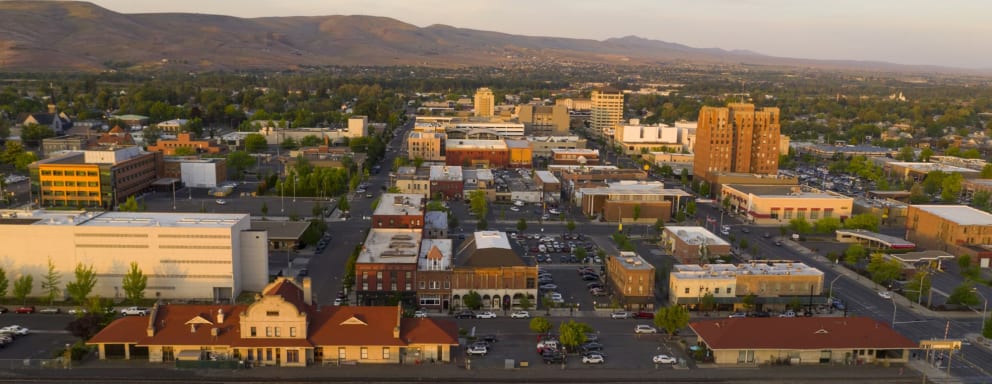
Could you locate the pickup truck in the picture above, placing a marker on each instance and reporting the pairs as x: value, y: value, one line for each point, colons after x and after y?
x: 134, y: 311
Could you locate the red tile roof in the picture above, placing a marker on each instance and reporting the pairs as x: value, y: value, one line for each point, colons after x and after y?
x: 429, y: 331
x: 290, y: 292
x: 326, y: 326
x: 799, y: 333
x: 172, y: 328
x: 124, y: 330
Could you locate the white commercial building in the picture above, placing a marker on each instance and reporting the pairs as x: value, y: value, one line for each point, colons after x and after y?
x: 200, y: 256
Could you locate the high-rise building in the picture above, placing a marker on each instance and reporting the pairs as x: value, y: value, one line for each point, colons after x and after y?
x: 607, y: 111
x: 736, y: 139
x: 485, y: 102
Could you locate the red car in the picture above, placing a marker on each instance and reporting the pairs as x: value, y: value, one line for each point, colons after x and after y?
x: 644, y: 315
x: 28, y: 309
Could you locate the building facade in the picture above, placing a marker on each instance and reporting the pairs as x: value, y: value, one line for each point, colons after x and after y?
x: 447, y: 182
x: 774, y: 285
x: 690, y: 245
x: 607, y: 111
x: 544, y: 120
x: 94, y: 178
x: 617, y: 202
x: 434, y: 274
x: 521, y: 155
x: 198, y: 173
x: 185, y: 141
x: 397, y: 210
x: 427, y: 146
x: 636, y: 138
x: 958, y: 229
x: 477, y: 153
x: 736, y: 138
x: 413, y: 180
x: 387, y: 265
x: 485, y: 103
x: 487, y: 264
x: 632, y: 280
x: 777, y: 204
x: 184, y: 255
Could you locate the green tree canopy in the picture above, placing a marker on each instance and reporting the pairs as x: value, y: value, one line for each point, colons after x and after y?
x: 134, y: 283
x: 964, y: 294
x: 522, y: 224
x: 572, y: 334
x: 22, y: 287
x: 255, y: 143
x: 883, y: 270
x: 79, y: 290
x: 239, y: 162
x: 866, y: 221
x: 827, y: 225
x: 473, y: 300
x: 671, y: 319
x: 854, y: 254
x: 52, y: 282
x: 540, y: 325
x: 4, y: 283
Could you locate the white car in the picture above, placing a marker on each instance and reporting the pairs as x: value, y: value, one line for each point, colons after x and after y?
x: 593, y: 359
x: 485, y: 315
x: 134, y: 311
x: 644, y: 328
x: 15, y: 329
x: 477, y: 350
x: 885, y: 294
x: 663, y: 359
x: 554, y: 211
x: 420, y: 314
x: 337, y: 302
x: 520, y: 315
x: 788, y: 313
x: 515, y: 208
x: 549, y: 287
x: 220, y: 201
x: 619, y: 315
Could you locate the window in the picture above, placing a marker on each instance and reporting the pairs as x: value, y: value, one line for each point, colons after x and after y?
x: 268, y: 331
x: 813, y: 215
x: 292, y: 331
x: 342, y: 354
x: 687, y: 290
x: 408, y: 287
x: 292, y: 356
x: 268, y: 354
x: 253, y: 332
x: 251, y: 353
x: 423, y: 284
x: 728, y: 291
x: 435, y: 284
x: 385, y: 353
x: 447, y: 284
x: 365, y: 353
x: 272, y: 313
x: 427, y: 300
x: 278, y: 333
x: 716, y: 291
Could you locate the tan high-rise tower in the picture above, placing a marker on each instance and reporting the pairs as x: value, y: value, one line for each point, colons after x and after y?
x: 737, y: 139
x: 607, y: 111
x: 485, y: 102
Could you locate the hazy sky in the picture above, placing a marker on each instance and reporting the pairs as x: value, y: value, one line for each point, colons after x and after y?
x: 955, y: 33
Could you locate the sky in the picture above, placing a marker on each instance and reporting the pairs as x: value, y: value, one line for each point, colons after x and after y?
x: 952, y: 33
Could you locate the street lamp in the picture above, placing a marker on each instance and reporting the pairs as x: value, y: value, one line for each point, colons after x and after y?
x: 294, y: 188
x: 831, y: 297
x: 985, y: 307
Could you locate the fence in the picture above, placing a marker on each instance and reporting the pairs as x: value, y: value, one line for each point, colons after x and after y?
x: 32, y: 364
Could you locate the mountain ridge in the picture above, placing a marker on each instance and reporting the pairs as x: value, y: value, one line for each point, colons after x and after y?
x: 80, y: 36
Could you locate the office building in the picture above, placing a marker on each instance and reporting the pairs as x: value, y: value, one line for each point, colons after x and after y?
x: 958, y: 229
x: 736, y: 139
x: 607, y: 111
x: 779, y: 204
x: 427, y: 146
x: 485, y: 103
x: 631, y: 279
x: 636, y: 138
x: 486, y: 263
x: 544, y: 120
x: 690, y: 244
x: 774, y: 285
x: 97, y: 178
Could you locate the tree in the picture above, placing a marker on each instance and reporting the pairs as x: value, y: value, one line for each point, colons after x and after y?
x: 659, y: 225
x: 906, y: 154
x: 134, y: 283
x: 725, y: 203
x: 704, y: 189
x: 800, y: 225
x: 637, y: 212
x: 478, y: 204
x: 917, y: 195
x: 4, y: 283
x: 684, y: 176
x: 522, y: 225
x: 80, y: 289
x: 343, y: 203
x: 473, y: 300
x: 964, y: 261
x: 925, y: 154
x: 22, y: 287
x: 130, y: 205
x: 987, y: 330
x: 951, y: 187
x: 883, y: 270
x: 265, y: 209
x: 33, y: 134
x: 570, y: 225
x: 671, y: 319
x: 184, y: 151
x: 690, y: 208
x: 525, y: 302
x: 865, y: 221
x: 52, y: 282
x: 482, y: 224
x: 540, y: 325
x: 918, y: 286
x: 707, y: 302
x: 581, y: 254
x: 87, y: 325
x: 981, y: 200
x: 854, y: 254
x: 240, y: 161
x: 749, y: 301
x: 964, y: 294
x: 827, y: 225
x: 12, y: 149
x: 255, y: 143
x: 310, y: 141
x: 573, y: 334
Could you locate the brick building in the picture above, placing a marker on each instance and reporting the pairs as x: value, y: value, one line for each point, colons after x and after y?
x: 958, y: 229
x: 396, y: 210
x: 477, y: 153
x: 736, y: 138
x: 387, y: 266
x: 631, y: 279
x: 691, y: 245
x: 447, y: 182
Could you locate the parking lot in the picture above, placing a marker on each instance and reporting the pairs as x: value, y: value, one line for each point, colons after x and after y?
x: 46, y: 336
x: 622, y: 348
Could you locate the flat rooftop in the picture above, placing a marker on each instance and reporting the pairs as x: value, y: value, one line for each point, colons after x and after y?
x: 960, y: 214
x: 491, y: 239
x: 892, y: 241
x: 723, y: 271
x: 436, y: 219
x: 395, y: 204
x: 282, y: 229
x: 391, y: 246
x: 633, y: 261
x: 546, y: 177
x: 446, y: 173
x: 574, y: 151
x: 784, y: 191
x: 121, y: 219
x: 428, y: 254
x: 852, y: 149
x: 929, y: 167
x: 470, y: 143
x: 696, y: 235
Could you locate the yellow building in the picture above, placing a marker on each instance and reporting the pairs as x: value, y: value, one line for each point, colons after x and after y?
x: 958, y: 229
x: 281, y: 328
x: 775, y: 284
x: 94, y: 178
x: 428, y: 146
x: 736, y: 138
x: 606, y: 110
x: 485, y: 102
x: 521, y: 155
x: 778, y: 204
x: 413, y: 180
x: 631, y: 279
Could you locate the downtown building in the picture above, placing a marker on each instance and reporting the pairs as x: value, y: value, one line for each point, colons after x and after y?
x: 736, y: 139
x: 606, y: 111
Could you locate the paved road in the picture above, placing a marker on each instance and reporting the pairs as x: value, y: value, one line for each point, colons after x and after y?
x: 47, y: 335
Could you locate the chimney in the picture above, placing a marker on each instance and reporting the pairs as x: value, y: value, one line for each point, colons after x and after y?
x: 214, y: 332
x: 399, y: 319
x: 307, y: 291
x: 220, y: 316
x: 150, y: 330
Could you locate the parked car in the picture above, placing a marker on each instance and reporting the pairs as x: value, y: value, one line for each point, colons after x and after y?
x: 644, y: 328
x: 134, y: 311
x: 644, y: 315
x: 788, y: 313
x: 220, y: 201
x: 338, y: 301
x: 15, y: 329
x: 593, y: 359
x: 486, y: 315
x: 620, y: 315
x: 737, y: 314
x: 4, y: 310
x: 77, y: 311
x: 885, y: 294
x: 553, y: 357
x: 49, y: 310
x: 25, y: 309
x: 663, y: 359
x: 477, y: 350
x: 591, y: 346
x: 520, y: 315
x: 465, y: 315
x: 549, y: 287
x: 420, y: 314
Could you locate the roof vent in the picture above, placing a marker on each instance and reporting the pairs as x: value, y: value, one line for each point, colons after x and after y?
x: 821, y: 331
